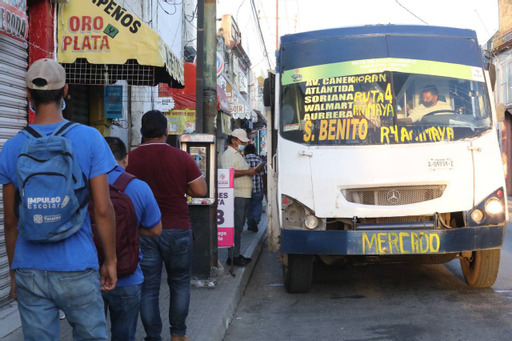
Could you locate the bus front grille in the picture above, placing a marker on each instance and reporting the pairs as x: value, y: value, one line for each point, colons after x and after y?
x: 393, y: 196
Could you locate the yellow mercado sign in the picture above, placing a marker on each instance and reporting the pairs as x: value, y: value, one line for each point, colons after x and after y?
x: 395, y: 243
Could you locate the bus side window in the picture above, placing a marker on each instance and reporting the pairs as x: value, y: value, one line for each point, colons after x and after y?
x: 287, y: 115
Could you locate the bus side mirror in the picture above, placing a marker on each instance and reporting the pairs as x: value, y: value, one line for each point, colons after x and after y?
x: 492, y: 75
x: 500, y: 112
x: 266, y: 92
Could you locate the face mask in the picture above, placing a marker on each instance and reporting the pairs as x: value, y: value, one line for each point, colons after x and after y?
x: 241, y: 147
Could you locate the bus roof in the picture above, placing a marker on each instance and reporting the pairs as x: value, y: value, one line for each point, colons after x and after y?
x: 417, y: 30
x: 442, y: 44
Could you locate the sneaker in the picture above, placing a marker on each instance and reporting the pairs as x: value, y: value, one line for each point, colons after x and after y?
x: 179, y: 338
x: 238, y: 261
x: 252, y: 227
x: 245, y: 259
x: 62, y: 316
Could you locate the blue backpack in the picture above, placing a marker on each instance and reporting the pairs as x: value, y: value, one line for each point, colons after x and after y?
x: 53, y: 191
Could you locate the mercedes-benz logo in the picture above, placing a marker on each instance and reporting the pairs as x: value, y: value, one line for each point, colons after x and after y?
x: 393, y: 197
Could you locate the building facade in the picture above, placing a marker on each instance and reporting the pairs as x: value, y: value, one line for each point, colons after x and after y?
x: 500, y: 56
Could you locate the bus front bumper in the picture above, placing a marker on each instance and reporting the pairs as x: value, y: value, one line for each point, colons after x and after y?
x: 391, y: 242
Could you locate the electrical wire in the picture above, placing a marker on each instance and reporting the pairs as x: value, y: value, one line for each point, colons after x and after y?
x: 192, y: 16
x: 297, y: 21
x: 238, y: 10
x: 265, y: 16
x: 175, y: 7
x: 286, y: 13
x: 423, y: 21
x: 482, y: 22
x: 260, y: 43
x: 261, y: 33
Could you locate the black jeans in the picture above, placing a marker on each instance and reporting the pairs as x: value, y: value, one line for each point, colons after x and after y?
x: 241, y: 209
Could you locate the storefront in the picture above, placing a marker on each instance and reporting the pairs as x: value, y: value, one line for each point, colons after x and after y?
x: 13, y: 102
x: 179, y: 106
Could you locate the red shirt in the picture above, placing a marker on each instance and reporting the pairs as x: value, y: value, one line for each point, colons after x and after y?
x: 168, y: 171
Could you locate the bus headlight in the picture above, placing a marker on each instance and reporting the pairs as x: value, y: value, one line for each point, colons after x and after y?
x: 311, y: 222
x: 297, y: 216
x: 493, y: 206
x: 477, y: 216
x: 490, y: 211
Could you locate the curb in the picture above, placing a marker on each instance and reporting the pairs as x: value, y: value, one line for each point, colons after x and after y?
x: 212, y: 310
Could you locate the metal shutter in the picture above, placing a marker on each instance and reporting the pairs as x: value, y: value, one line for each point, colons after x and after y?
x: 13, y: 117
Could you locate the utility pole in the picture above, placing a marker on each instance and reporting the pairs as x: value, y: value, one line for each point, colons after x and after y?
x: 204, y: 218
x: 277, y: 25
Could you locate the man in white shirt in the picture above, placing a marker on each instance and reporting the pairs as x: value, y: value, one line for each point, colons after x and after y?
x: 431, y: 103
x: 233, y: 158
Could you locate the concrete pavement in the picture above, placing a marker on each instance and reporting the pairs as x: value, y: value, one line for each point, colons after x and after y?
x: 211, y: 308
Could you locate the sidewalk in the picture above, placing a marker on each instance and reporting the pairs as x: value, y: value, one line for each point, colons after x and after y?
x: 211, y: 309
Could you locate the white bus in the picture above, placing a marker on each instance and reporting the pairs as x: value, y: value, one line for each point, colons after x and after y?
x: 384, y: 147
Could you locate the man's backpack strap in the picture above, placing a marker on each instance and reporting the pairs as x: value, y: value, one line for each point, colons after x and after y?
x: 123, y: 180
x: 65, y: 128
x: 32, y: 132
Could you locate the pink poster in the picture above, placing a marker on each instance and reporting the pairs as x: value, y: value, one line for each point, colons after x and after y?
x: 225, y: 208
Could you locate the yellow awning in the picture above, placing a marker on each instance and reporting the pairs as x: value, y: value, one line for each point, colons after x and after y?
x: 104, y: 32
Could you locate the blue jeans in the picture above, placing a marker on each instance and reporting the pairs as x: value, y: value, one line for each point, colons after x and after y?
x: 78, y: 293
x: 174, y: 249
x: 123, y: 303
x: 255, y: 209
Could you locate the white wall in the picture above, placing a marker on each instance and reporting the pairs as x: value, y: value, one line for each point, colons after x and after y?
x: 190, y: 23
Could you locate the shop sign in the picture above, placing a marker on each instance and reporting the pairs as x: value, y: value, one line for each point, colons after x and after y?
x: 226, y: 208
x: 104, y: 32
x: 220, y: 64
x: 181, y: 121
x: 113, y: 101
x: 237, y: 108
x: 164, y: 104
x: 13, y: 20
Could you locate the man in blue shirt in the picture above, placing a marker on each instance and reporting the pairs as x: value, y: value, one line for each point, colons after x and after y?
x: 62, y: 274
x: 124, y: 301
x: 256, y: 205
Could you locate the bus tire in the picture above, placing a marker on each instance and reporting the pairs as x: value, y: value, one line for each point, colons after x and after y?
x: 481, y: 270
x: 298, y: 273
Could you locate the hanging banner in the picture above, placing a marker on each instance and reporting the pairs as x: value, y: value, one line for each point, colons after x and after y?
x: 226, y: 208
x: 181, y: 121
x: 13, y: 20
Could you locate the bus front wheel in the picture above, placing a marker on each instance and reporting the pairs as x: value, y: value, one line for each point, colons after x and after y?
x: 481, y: 268
x: 298, y: 273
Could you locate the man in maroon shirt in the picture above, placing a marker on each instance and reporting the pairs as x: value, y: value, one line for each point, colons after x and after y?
x: 171, y: 173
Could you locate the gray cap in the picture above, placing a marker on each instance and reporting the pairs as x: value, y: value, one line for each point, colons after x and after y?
x: 48, y: 70
x: 240, y: 134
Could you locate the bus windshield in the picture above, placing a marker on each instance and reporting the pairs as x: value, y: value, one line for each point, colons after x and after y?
x: 394, y: 102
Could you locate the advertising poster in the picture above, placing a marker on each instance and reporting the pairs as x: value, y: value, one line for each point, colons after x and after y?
x: 181, y: 121
x: 113, y: 101
x: 226, y: 208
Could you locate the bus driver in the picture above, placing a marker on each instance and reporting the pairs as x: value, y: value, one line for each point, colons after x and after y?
x: 431, y: 103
